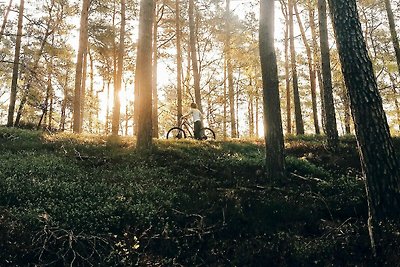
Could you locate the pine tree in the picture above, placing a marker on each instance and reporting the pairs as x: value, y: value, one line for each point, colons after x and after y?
x: 275, y: 165
x: 378, y: 160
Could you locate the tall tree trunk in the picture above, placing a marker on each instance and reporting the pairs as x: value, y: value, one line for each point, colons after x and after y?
x: 83, y: 89
x: 50, y: 112
x: 316, y: 57
x: 178, y: 62
x: 187, y: 76
x: 297, y: 105
x: 136, y: 103
x: 329, y: 110
x: 229, y: 68
x: 193, y: 52
x: 120, y: 66
x: 377, y: 155
x: 209, y: 107
x: 127, y: 104
x: 155, y: 64
x: 287, y: 71
x: 257, y: 115
x: 397, y: 105
x: 64, y: 101
x: 51, y: 109
x: 49, y: 89
x: 14, y: 82
x: 114, y: 69
x: 107, y: 126
x: 143, y: 75
x: 44, y: 106
x: 395, y: 95
x: 3, y: 25
x: 393, y: 33
x: 310, y: 69
x: 251, y: 114
x: 236, y: 115
x: 83, y: 40
x: 347, y: 112
x: 23, y: 101
x: 91, y: 105
x: 274, y: 153
x: 225, y: 134
x: 98, y: 124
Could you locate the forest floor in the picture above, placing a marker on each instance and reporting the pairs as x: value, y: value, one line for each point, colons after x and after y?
x: 89, y: 200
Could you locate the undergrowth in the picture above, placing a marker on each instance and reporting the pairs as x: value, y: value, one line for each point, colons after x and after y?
x: 89, y: 200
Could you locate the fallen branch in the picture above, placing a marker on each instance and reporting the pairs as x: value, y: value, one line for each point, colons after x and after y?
x: 308, y: 178
x: 54, y: 246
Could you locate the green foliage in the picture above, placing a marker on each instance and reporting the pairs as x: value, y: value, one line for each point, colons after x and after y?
x: 305, y: 138
x: 304, y: 167
x: 95, y: 200
x: 15, y: 140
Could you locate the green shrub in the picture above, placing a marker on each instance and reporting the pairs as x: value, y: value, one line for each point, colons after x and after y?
x: 304, y: 167
x: 96, y: 201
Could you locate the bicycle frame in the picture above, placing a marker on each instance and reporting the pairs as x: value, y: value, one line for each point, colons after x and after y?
x: 185, y: 125
x: 187, y: 130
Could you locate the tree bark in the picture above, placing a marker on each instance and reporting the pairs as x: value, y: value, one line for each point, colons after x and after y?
x: 378, y: 160
x: 3, y: 25
x: 83, y: 89
x: 91, y: 92
x: 225, y: 120
x: 155, y: 63
x: 311, y: 71
x: 107, y: 126
x: 83, y: 39
x: 329, y: 110
x: 237, y: 111
x: 285, y: 13
x: 395, y: 95
x: 178, y: 62
x: 143, y: 75
x: 393, y: 33
x: 193, y: 52
x: 14, y: 82
x: 136, y: 103
x: 257, y: 115
x: 103, y: 89
x: 347, y: 112
x: 118, y: 80
x: 274, y: 153
x: 316, y: 58
x: 297, y: 105
x: 127, y: 105
x: 64, y: 101
x: 229, y: 69
x: 51, y: 109
x: 45, y: 105
x: 251, y: 111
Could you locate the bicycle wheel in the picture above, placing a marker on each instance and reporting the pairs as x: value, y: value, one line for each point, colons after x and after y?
x: 207, y: 134
x: 176, y: 133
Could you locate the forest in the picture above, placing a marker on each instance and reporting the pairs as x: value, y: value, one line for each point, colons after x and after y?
x: 199, y: 133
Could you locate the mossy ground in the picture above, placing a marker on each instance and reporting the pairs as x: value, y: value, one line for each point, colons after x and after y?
x: 90, y: 200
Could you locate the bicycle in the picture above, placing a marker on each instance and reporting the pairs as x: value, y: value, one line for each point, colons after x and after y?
x: 186, y: 130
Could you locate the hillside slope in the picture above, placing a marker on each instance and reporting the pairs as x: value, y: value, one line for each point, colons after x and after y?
x: 92, y: 200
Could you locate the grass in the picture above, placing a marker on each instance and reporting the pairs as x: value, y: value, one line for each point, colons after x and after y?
x: 92, y: 200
